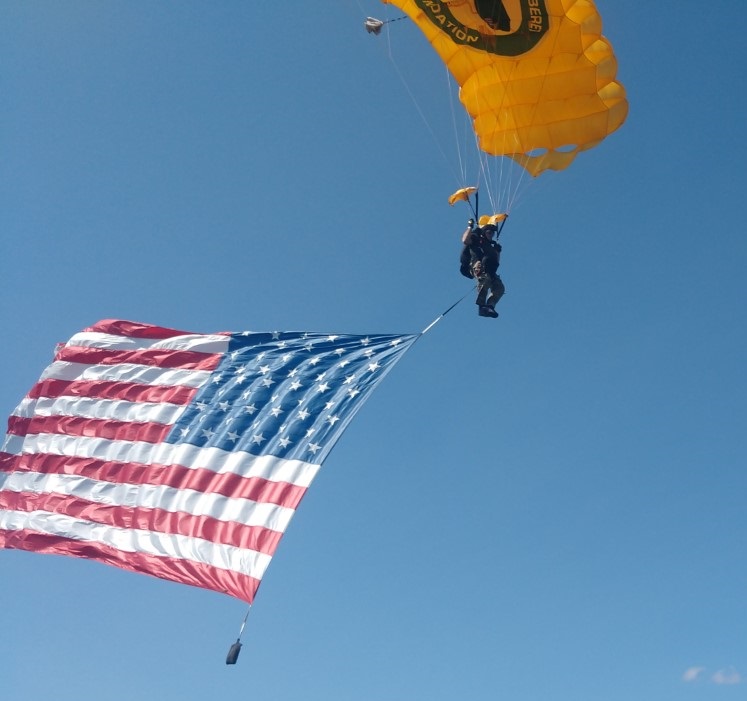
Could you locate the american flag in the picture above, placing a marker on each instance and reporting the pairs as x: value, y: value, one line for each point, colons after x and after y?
x: 180, y: 455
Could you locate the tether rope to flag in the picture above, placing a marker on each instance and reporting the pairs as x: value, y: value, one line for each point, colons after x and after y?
x: 443, y: 314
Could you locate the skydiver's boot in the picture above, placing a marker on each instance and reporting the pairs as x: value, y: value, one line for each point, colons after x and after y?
x: 490, y: 311
x: 485, y: 311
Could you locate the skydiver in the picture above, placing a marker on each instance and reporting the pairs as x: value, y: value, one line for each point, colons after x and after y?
x: 484, y: 258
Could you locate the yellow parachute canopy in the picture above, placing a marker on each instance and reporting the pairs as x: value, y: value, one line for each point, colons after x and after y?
x: 536, y: 76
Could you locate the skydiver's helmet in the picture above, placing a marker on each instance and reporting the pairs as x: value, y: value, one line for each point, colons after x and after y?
x: 489, y: 229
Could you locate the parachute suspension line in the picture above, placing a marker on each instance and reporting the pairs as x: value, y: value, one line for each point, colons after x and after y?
x: 495, y: 192
x: 235, y: 649
x: 466, y: 142
x: 449, y: 94
x: 506, y: 178
x: 484, y: 173
x: 523, y: 177
x: 519, y: 190
x: 409, y: 91
x: 501, y: 178
x: 492, y: 190
x: 481, y: 163
x: 463, y: 142
x: 518, y: 184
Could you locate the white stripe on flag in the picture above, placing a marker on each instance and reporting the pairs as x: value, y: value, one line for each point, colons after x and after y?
x: 125, y: 372
x: 120, y: 410
x: 227, y: 557
x: 148, y: 496
x: 296, y: 472
x: 212, y: 343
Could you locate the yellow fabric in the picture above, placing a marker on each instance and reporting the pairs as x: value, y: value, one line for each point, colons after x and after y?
x: 541, y: 88
x: 494, y: 219
x: 462, y: 195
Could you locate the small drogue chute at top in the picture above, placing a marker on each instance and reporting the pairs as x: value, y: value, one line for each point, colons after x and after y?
x: 536, y: 77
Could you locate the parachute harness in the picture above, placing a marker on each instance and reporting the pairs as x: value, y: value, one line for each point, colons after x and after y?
x: 463, y: 297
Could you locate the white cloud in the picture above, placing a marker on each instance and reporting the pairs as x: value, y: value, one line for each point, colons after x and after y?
x: 692, y: 673
x: 727, y: 676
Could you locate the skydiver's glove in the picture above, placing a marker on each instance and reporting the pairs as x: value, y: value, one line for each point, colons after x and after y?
x: 471, y: 223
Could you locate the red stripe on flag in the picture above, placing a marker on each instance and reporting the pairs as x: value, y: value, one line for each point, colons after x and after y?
x: 183, y: 571
x: 255, y: 489
x: 134, y: 329
x: 105, y: 389
x: 160, y: 521
x: 154, y: 357
x: 90, y: 428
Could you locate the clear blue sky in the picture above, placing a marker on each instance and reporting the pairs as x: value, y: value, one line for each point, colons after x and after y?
x: 546, y: 506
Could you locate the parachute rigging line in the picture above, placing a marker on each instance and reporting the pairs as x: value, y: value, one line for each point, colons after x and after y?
x: 415, y: 102
x: 462, y: 159
x: 508, y: 183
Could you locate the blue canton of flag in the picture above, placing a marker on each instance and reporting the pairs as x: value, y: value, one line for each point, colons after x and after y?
x: 290, y: 395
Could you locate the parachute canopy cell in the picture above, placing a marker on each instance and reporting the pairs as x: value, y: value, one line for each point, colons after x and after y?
x: 536, y: 76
